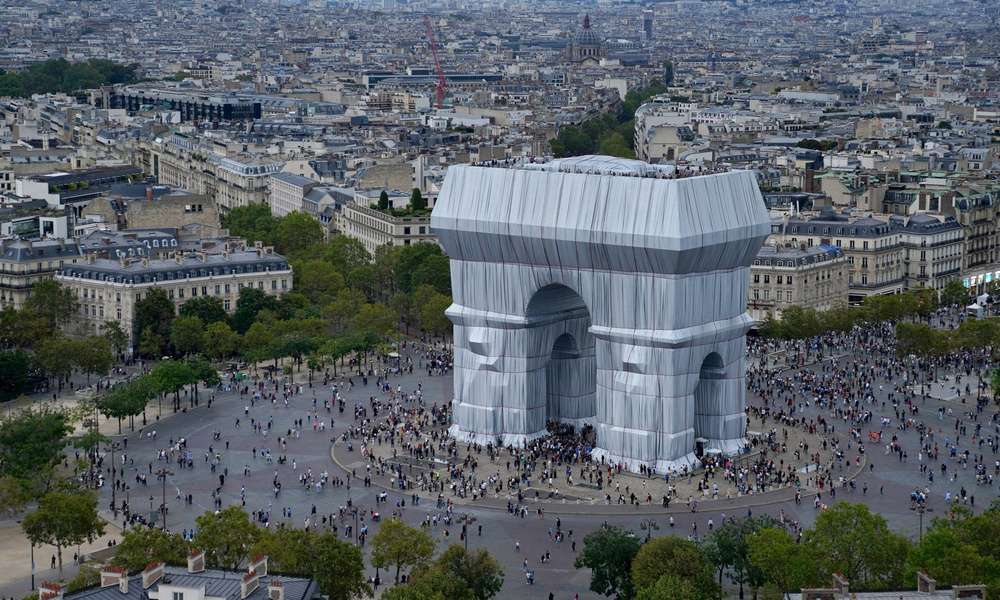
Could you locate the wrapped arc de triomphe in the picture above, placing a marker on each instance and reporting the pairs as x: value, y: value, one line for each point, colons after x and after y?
x: 600, y: 291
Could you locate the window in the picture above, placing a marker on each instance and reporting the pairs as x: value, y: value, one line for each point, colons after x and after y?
x: 227, y: 288
x: 788, y: 295
x: 767, y: 294
x: 780, y: 278
x: 217, y: 290
x: 180, y: 293
x: 865, y: 246
x: 119, y: 314
x: 864, y: 280
x: 260, y: 285
x: 756, y: 294
x: 406, y: 231
x: 226, y: 304
x: 274, y: 284
x: 767, y: 279
x: 178, y: 596
x: 171, y: 294
x: 789, y: 281
x: 138, y: 297
x: 100, y: 311
x: 204, y: 290
x: 756, y: 277
x: 864, y: 263
x: 194, y: 292
x: 118, y: 297
x: 851, y: 244
x: 284, y: 284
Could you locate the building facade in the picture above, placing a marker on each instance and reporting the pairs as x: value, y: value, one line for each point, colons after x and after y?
x: 23, y: 263
x: 786, y: 275
x: 374, y: 228
x: 108, y: 290
x: 287, y: 193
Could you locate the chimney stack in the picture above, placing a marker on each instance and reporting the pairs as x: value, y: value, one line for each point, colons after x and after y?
x: 114, y: 576
x: 196, y: 561
x: 50, y: 591
x: 259, y: 564
x: 248, y: 584
x: 152, y: 574
x: 275, y: 591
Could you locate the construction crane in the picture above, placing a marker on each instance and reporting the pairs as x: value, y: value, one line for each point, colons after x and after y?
x: 441, y: 85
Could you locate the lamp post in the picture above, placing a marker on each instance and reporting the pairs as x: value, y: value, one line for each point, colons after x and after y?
x: 162, y: 474
x: 648, y: 525
x: 466, y: 520
x: 32, y: 565
x: 920, y: 505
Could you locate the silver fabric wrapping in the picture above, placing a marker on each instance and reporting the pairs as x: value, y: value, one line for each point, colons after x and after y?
x: 608, y: 299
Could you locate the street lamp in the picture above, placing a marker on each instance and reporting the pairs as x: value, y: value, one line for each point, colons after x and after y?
x: 162, y: 474
x: 920, y: 505
x: 355, y: 511
x: 648, y: 525
x: 467, y: 520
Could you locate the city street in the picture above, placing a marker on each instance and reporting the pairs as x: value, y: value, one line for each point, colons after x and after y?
x: 883, y: 481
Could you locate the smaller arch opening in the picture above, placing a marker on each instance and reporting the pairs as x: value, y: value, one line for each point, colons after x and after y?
x: 713, y: 367
x: 565, y: 346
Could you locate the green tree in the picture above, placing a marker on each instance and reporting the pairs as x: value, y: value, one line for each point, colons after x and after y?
x: 64, y: 520
x: 250, y: 303
x: 220, y: 341
x: 92, y: 355
x: 151, y: 344
x: 13, y: 496
x: 295, y: 233
x: 207, y: 308
x: 668, y: 73
x: 141, y: 546
x: 728, y: 549
x: 558, y: 148
x: 852, y: 541
x: 670, y: 587
x: 116, y: 336
x: 950, y: 560
x: 226, y: 537
x: 375, y: 317
x: 170, y: 376
x: 383, y: 200
x: 32, y: 443
x: 417, y: 200
x: 52, y: 301
x: 785, y: 564
x: 671, y: 555
x: 339, y: 569
x: 13, y: 374
x: 23, y: 329
x: 252, y: 222
x: 432, y: 315
x: 435, y: 271
x: 409, y: 260
x: 155, y: 312
x: 318, y: 281
x: 954, y: 294
x: 341, y: 311
x: 398, y: 545
x: 187, y: 334
x: 609, y: 553
x: 575, y: 142
x: 127, y: 399
x: 345, y: 254
x: 455, y: 575
x: 614, y: 144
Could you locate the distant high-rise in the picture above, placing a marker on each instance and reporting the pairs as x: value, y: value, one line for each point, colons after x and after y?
x: 647, y: 24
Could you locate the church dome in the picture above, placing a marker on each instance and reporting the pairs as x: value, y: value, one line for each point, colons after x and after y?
x: 586, y: 36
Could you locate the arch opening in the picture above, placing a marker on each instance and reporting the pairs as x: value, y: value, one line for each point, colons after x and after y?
x: 709, y: 404
x: 559, y: 326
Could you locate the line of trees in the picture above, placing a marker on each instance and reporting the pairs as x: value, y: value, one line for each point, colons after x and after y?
x: 761, y: 554
x: 612, y: 135
x: 799, y: 322
x: 59, y: 75
x: 230, y: 539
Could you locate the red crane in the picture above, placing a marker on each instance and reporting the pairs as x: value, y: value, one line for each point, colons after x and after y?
x: 441, y: 85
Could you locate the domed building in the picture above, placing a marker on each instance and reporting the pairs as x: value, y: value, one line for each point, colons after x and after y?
x: 586, y: 48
